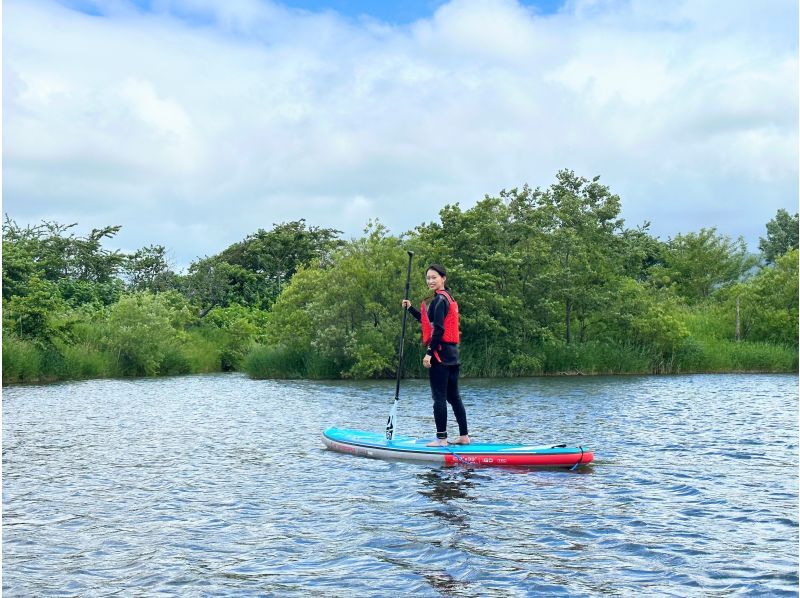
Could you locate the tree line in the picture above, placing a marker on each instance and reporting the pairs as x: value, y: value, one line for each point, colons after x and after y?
x: 548, y: 280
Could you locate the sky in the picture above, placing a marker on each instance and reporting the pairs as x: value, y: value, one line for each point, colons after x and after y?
x: 194, y: 123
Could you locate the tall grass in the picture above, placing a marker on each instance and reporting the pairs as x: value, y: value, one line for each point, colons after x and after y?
x: 82, y: 362
x: 723, y: 355
x: 709, y: 348
x: 590, y: 358
x: 275, y: 362
x: 22, y: 360
x: 712, y: 347
x: 202, y: 355
x: 89, y: 357
x: 595, y: 357
x: 26, y: 362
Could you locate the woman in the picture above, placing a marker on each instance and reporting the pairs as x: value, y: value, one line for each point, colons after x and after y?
x: 440, y: 333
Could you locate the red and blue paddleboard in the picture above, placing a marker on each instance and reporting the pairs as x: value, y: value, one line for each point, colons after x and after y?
x: 376, y: 446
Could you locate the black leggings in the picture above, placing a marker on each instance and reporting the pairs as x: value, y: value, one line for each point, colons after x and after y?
x: 444, y: 388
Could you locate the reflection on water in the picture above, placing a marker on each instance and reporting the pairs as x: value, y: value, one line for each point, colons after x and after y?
x: 445, y: 485
x: 446, y: 584
x: 219, y: 485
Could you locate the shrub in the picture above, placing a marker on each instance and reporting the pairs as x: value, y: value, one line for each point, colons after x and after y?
x: 22, y: 360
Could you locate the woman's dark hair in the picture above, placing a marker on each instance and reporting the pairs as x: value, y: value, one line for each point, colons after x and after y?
x: 438, y: 268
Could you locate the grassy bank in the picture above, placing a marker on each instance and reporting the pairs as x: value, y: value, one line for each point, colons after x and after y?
x: 28, y: 362
x: 591, y: 358
x: 140, y: 335
x: 147, y: 336
x: 25, y: 362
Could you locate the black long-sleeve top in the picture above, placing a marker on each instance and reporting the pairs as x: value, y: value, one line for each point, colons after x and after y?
x: 437, y: 312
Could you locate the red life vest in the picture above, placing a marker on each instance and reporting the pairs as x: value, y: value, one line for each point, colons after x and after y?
x: 450, y: 322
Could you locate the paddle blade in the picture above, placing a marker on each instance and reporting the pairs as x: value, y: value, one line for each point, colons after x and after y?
x: 391, y: 422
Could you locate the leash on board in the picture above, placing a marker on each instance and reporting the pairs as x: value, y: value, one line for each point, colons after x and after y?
x: 580, y: 460
x: 574, y: 467
x: 452, y: 452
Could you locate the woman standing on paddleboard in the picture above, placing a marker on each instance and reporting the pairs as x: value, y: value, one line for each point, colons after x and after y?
x: 440, y: 334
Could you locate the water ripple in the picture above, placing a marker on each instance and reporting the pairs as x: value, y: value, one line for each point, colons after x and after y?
x: 173, y: 487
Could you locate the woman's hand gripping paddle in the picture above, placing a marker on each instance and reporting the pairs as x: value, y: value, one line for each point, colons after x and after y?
x: 391, y: 424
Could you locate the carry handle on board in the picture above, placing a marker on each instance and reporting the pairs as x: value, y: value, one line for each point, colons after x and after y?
x: 391, y: 423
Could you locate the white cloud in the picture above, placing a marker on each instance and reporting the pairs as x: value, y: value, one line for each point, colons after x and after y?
x: 200, y: 121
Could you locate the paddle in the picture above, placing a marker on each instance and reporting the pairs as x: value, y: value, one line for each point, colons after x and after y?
x: 390, y: 423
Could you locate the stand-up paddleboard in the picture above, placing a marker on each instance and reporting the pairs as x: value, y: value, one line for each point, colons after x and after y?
x: 376, y: 446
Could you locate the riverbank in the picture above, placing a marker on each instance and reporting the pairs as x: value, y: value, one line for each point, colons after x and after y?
x: 637, y: 307
x: 558, y: 359
x: 26, y: 363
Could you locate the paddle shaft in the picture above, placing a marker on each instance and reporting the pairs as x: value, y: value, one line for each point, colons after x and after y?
x: 403, y: 332
x: 393, y: 414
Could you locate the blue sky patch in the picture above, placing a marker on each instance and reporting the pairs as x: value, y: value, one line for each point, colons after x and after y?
x: 396, y: 12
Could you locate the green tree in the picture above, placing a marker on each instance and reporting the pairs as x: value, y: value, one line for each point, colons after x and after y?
x: 253, y: 272
x: 345, y: 315
x: 81, y: 267
x: 39, y: 314
x: 533, y: 265
x: 275, y: 255
x: 782, y: 233
x: 478, y: 251
x: 19, y: 259
x: 213, y: 282
x: 640, y: 253
x: 149, y: 269
x: 697, y: 264
x: 581, y: 219
x: 768, y: 303
x: 648, y: 318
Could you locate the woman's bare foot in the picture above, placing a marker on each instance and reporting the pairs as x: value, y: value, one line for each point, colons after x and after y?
x: 438, y: 442
x: 461, y: 440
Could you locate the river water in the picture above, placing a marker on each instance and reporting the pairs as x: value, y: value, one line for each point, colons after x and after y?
x: 220, y: 485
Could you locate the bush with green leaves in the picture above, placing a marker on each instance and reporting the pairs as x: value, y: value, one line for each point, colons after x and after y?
x: 346, y: 314
x: 140, y: 335
x: 768, y: 303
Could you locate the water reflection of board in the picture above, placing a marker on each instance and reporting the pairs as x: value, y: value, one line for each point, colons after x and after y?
x: 371, y: 444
